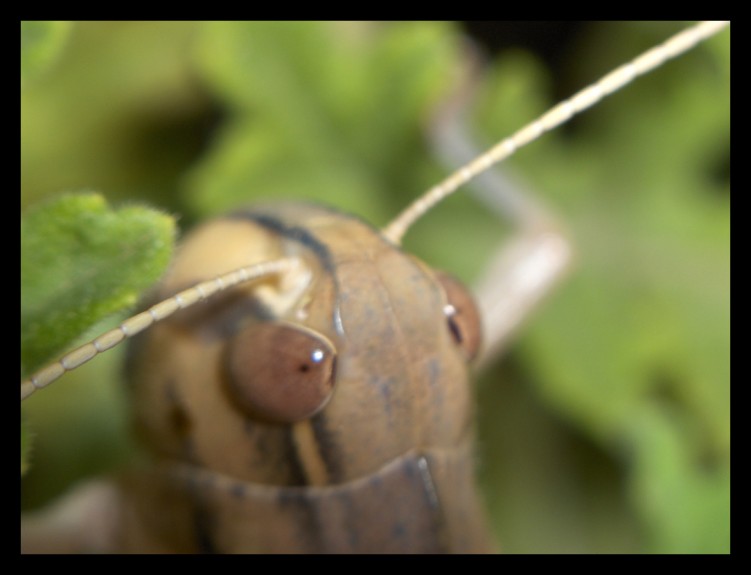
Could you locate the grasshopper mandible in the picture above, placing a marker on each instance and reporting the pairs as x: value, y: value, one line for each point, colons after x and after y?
x: 288, y: 222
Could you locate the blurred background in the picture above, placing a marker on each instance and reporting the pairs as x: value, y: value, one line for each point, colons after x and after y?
x: 606, y: 425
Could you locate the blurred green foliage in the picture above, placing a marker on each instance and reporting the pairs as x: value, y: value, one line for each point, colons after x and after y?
x: 41, y: 42
x: 606, y: 426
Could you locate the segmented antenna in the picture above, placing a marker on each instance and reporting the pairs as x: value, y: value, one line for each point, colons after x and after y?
x: 676, y: 45
x: 155, y: 313
x: 586, y: 98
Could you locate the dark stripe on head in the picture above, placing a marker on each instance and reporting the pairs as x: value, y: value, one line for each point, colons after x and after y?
x: 327, y: 444
x: 328, y: 448
x: 294, y: 233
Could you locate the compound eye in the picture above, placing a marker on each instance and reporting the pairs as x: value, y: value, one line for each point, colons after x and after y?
x: 462, y: 315
x: 279, y: 372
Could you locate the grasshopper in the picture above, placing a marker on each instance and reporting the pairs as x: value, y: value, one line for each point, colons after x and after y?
x: 393, y: 233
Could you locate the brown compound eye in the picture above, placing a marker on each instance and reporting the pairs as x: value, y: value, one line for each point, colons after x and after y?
x: 462, y: 315
x: 279, y: 372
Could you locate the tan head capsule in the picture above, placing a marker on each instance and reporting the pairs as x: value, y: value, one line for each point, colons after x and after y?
x: 359, y: 378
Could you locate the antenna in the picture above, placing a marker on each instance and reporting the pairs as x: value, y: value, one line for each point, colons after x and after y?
x: 155, y: 313
x: 582, y: 100
x: 589, y: 96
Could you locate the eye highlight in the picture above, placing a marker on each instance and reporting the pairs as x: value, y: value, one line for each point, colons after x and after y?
x: 279, y: 372
x: 461, y: 314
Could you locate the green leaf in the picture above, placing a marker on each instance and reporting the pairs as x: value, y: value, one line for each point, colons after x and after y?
x: 41, y: 44
x: 81, y: 261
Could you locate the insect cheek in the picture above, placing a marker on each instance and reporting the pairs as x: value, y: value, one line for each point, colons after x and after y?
x: 278, y: 372
x: 462, y: 316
